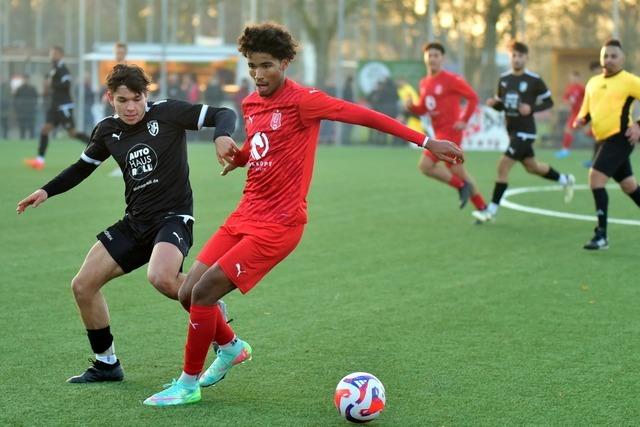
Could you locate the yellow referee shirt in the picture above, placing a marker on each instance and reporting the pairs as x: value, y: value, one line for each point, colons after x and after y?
x: 608, y: 102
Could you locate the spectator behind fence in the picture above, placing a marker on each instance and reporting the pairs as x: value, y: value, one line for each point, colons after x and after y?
x: 347, y: 95
x: 5, y: 106
x: 25, y: 104
x: 120, y: 51
x: 190, y: 88
x: 213, y: 94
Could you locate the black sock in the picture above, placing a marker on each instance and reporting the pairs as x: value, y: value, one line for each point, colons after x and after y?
x: 635, y: 196
x: 552, y: 175
x: 601, y: 198
x: 100, y: 339
x: 82, y: 137
x: 498, y: 191
x: 44, y: 143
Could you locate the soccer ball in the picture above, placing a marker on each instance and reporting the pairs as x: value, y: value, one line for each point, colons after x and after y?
x: 360, y: 397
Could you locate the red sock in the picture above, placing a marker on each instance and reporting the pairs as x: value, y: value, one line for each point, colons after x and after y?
x: 224, y: 333
x: 567, y: 139
x: 456, y: 182
x: 478, y: 202
x: 202, y: 328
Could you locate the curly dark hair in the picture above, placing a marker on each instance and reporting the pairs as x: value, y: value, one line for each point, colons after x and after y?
x: 270, y: 38
x: 131, y: 76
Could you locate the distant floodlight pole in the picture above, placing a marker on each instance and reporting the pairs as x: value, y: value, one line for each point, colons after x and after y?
x: 523, y: 21
x: 82, y: 7
x: 615, y: 17
x: 96, y: 24
x: 150, y: 21
x: 122, y: 21
x: 199, y: 19
x: 339, y: 78
x: 5, y: 21
x: 431, y: 9
x: 163, y: 42
x: 253, y: 11
x: 373, y: 28
x: 39, y: 43
x: 222, y: 17
x: 3, y: 13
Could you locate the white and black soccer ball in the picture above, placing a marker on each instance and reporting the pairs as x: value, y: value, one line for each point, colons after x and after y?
x: 360, y: 397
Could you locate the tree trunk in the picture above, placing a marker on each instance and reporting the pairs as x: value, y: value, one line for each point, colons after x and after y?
x: 487, y: 85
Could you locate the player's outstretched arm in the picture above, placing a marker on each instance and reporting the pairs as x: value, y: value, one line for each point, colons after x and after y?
x: 34, y: 199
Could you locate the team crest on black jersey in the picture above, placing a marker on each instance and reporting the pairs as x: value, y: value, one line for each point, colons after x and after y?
x: 153, y: 127
x: 276, y: 120
x: 523, y: 86
x: 142, y: 160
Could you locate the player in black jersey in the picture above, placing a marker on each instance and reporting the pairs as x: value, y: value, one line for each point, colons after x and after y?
x: 148, y: 141
x: 61, y: 109
x: 520, y: 94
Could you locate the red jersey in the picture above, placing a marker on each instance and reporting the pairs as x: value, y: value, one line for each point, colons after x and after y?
x: 573, y: 95
x: 282, y: 134
x: 440, y: 97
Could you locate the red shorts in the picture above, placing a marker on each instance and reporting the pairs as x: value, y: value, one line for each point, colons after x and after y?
x: 448, y: 134
x: 247, y: 250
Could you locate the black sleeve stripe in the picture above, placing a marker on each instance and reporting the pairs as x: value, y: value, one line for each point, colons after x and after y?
x: 624, y: 117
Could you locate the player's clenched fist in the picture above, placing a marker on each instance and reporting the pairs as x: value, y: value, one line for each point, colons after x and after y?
x: 34, y: 199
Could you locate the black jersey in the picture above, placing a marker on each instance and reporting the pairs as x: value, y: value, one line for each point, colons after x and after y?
x: 60, y: 84
x: 153, y: 157
x: 527, y: 88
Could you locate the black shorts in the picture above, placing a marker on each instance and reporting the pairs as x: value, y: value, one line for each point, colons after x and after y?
x: 130, y: 242
x: 61, y: 117
x: 612, y: 157
x: 519, y: 148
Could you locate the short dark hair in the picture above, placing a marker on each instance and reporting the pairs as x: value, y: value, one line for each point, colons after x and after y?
x: 58, y: 48
x: 270, y: 38
x: 614, y: 43
x: 121, y: 44
x: 434, y: 45
x: 519, y: 47
x: 131, y: 76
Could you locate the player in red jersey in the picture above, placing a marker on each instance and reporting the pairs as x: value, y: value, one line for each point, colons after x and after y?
x: 282, y: 120
x: 573, y: 95
x: 440, y: 95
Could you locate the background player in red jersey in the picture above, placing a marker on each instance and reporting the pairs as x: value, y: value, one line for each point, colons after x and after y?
x: 441, y: 93
x: 282, y: 121
x: 573, y: 95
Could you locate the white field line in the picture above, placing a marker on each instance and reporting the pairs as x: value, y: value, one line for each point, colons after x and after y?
x: 556, y: 214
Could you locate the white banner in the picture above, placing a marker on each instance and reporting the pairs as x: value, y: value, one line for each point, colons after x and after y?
x: 485, y: 131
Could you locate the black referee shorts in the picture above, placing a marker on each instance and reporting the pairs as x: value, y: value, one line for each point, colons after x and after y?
x: 613, y: 157
x: 131, y: 242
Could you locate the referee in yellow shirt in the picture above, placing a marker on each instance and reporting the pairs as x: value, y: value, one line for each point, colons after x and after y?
x: 607, y: 104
